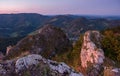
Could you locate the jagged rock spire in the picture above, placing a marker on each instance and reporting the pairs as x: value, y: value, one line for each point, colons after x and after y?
x: 92, y: 56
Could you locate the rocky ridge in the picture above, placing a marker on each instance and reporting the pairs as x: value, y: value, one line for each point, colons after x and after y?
x: 48, y: 41
x: 35, y: 65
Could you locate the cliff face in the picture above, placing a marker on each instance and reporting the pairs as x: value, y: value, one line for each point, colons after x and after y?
x: 91, y: 51
x: 35, y: 65
x: 48, y: 41
x: 93, y: 59
x: 92, y: 55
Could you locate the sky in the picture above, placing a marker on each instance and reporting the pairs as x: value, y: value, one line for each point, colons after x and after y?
x: 53, y: 7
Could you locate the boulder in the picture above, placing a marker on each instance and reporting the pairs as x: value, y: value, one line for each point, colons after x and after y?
x: 35, y: 65
x: 25, y: 62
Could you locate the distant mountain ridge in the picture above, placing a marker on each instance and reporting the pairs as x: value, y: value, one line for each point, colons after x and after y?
x: 14, y: 25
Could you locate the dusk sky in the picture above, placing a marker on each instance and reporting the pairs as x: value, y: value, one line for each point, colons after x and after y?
x: 51, y: 7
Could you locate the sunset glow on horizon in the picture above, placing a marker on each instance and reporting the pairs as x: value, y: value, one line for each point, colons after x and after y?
x: 51, y: 7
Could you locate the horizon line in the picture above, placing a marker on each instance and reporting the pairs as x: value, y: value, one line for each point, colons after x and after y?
x: 61, y: 14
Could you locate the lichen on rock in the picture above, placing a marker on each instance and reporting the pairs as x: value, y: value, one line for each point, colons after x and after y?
x: 26, y: 62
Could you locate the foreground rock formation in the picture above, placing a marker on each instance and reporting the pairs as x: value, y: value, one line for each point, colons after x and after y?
x: 91, y: 51
x: 92, y: 55
x: 35, y: 65
x: 93, y: 60
x: 48, y: 41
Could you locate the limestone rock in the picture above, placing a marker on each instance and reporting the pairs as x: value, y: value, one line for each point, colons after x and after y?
x: 92, y: 56
x: 35, y: 65
x: 26, y: 62
x: 91, y: 51
x: 62, y: 68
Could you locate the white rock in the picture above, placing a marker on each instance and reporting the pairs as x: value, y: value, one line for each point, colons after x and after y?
x: 27, y: 61
x: 34, y: 59
x: 115, y: 70
x: 75, y: 74
x: 90, y: 52
x: 61, y: 68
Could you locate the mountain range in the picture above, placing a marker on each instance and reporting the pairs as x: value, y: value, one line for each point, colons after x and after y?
x: 16, y: 25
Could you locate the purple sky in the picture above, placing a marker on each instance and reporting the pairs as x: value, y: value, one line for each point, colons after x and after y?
x: 51, y: 7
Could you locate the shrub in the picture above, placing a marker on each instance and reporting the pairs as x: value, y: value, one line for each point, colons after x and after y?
x: 111, y: 45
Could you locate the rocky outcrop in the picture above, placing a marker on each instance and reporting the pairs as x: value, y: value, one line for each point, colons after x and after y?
x: 93, y: 60
x: 92, y: 56
x: 48, y: 41
x: 35, y: 65
x: 24, y: 62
